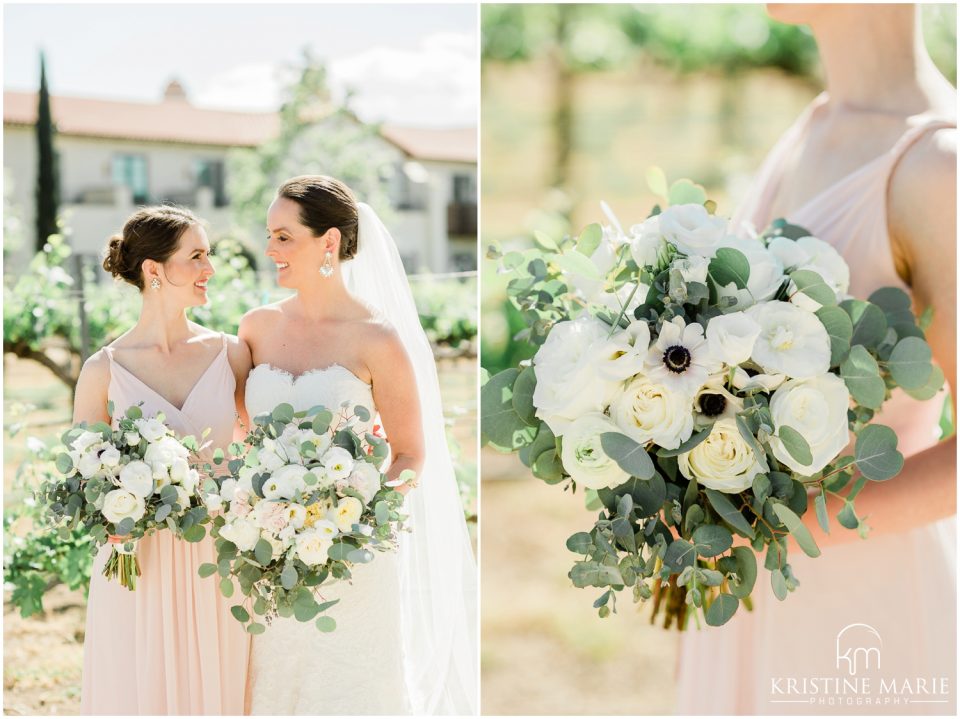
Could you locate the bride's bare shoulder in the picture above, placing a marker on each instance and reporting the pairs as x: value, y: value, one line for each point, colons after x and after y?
x: 380, y: 336
x: 261, y: 316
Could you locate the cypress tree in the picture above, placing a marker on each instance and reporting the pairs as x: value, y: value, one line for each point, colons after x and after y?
x: 48, y: 181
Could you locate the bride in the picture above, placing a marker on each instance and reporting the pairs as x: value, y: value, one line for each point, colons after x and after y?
x: 405, y: 638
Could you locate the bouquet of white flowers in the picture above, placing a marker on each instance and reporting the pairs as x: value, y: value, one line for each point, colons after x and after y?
x: 304, y: 501
x: 122, y: 484
x: 700, y: 385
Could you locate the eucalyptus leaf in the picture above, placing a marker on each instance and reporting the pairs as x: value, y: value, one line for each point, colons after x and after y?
x: 263, y: 551
x: 813, y: 286
x: 207, y: 569
x: 575, y: 263
x: 928, y: 389
x: 909, y: 363
x: 326, y: 624
x: 657, y: 181
x: 712, y: 539
x: 730, y: 265
x: 723, y: 607
x: 240, y: 613
x: 685, y: 192
x: 499, y: 421
x: 629, y: 454
x: 580, y: 543
x: 594, y: 574
x: 861, y: 374
x: 282, y: 413
x: 876, y: 453
x: 795, y: 444
x: 694, y: 439
x: 820, y: 505
x: 869, y: 322
x: 730, y: 514
x: 523, y: 389
x: 746, y: 561
x: 679, y: 555
x: 779, y: 584
x: 797, y: 528
x: 589, y: 239
x: 840, y: 330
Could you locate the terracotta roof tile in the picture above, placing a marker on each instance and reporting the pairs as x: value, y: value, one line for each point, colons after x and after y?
x: 175, y: 120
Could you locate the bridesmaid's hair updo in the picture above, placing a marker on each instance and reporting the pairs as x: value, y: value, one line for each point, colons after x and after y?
x: 325, y: 202
x: 151, y: 233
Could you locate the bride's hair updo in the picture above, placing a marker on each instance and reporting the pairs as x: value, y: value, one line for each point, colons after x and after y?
x: 151, y: 233
x: 325, y: 202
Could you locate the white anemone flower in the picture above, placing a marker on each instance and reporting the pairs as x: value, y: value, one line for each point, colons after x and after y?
x: 680, y: 358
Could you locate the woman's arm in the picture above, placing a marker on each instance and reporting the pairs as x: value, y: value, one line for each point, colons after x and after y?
x: 922, y: 217
x: 398, y: 402
x: 90, y: 398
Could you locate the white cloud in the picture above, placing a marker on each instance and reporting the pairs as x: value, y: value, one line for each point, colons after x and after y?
x: 252, y: 86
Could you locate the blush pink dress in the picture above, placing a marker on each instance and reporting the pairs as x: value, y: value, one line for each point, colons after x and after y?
x: 809, y: 654
x: 171, y: 646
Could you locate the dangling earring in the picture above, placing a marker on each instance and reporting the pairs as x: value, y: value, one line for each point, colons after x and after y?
x: 155, y: 283
x: 326, y: 269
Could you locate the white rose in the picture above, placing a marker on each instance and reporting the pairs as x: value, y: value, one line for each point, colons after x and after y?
x: 191, y: 480
x: 648, y: 411
x: 723, y: 461
x: 228, y: 489
x: 150, y: 429
x: 178, y: 469
x: 365, y: 478
x: 88, y: 464
x: 312, y: 547
x: 646, y: 242
x: 131, y: 438
x: 810, y: 253
x: 241, y: 532
x: 137, y: 478
x: 692, y: 230
x: 119, y: 504
x: 213, y: 502
x: 325, y: 528
x: 731, y: 337
x: 583, y: 456
x: 346, y: 513
x: 110, y: 456
x: 792, y: 341
x: 817, y: 409
x: 766, y: 272
x: 183, y: 496
x: 767, y: 382
x: 338, y: 463
x: 569, y: 358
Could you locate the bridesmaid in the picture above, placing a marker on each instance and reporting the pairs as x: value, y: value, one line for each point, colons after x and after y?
x: 870, y: 167
x: 171, y: 646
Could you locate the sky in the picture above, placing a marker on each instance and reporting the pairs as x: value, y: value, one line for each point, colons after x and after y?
x: 414, y: 65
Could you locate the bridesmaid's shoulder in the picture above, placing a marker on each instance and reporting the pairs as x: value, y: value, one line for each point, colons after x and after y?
x: 95, y: 372
x: 923, y: 185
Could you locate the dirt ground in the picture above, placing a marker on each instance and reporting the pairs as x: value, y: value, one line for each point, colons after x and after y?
x: 43, y: 655
x: 544, y: 650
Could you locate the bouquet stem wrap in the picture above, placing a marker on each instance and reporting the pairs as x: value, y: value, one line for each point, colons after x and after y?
x: 123, y: 564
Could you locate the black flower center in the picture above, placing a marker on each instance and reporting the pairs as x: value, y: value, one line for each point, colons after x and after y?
x: 712, y: 405
x: 677, y: 359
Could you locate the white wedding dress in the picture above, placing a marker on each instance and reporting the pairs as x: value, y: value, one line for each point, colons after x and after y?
x: 358, y: 668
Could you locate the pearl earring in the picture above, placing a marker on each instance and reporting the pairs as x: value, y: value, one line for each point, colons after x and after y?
x: 326, y: 269
x: 155, y: 283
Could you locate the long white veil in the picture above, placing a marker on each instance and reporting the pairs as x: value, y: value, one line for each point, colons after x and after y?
x: 438, y: 572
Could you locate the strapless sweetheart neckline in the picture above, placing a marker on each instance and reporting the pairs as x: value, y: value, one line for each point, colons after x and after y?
x: 294, y: 378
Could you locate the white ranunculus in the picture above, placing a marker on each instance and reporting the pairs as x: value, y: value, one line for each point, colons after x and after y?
x: 286, y: 482
x: 817, y: 409
x: 692, y: 230
x: 766, y: 273
x: 312, y: 547
x: 178, y: 469
x: 137, y: 478
x: 723, y: 461
x: 228, y: 489
x: 365, y: 478
x: 110, y: 456
x: 269, y: 460
x: 792, y: 341
x: 646, y: 242
x: 212, y: 502
x: 296, y: 514
x: 326, y: 528
x: 766, y: 382
x: 626, y: 352
x: 583, y: 456
x: 810, y: 253
x: 648, y: 411
x: 692, y: 269
x: 346, y: 513
x: 241, y: 532
x: 191, y: 480
x: 338, y: 463
x: 731, y: 337
x: 88, y: 464
x: 183, y: 496
x: 119, y: 504
x: 131, y: 438
x: 164, y: 451
x: 85, y: 440
x: 569, y: 358
x: 150, y: 429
